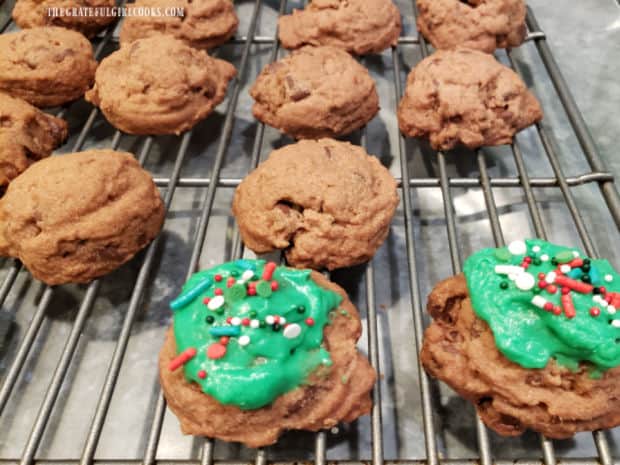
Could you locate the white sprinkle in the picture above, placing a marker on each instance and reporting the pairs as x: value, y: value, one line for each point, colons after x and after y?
x: 604, y: 303
x: 512, y: 276
x: 525, y: 281
x: 575, y: 254
x: 216, y: 302
x: 539, y: 301
x: 246, y: 275
x: 282, y: 320
x: 269, y: 319
x: 608, y: 278
x: 292, y: 331
x: 596, y: 298
x: 611, y: 309
x: 536, y: 248
x: 550, y: 278
x: 615, y: 323
x: 517, y: 247
x: 508, y: 269
x: 334, y: 430
x: 244, y: 340
x: 255, y: 324
x: 565, y: 268
x: 235, y: 321
x: 544, y: 257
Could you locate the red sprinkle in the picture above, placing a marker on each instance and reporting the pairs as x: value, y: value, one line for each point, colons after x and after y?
x: 251, y: 290
x: 218, y: 291
x: 527, y: 259
x: 615, y: 299
x: 245, y: 322
x: 609, y: 297
x: 274, y: 285
x: 551, y: 289
x: 595, y: 311
x: 268, y: 271
x: 310, y: 321
x: 541, y: 275
x: 218, y: 277
x: 230, y: 281
x: 182, y: 358
x: 202, y: 374
x: 206, y: 300
x: 565, y: 290
x: 576, y: 263
x: 542, y: 284
x: 276, y: 319
x: 578, y: 286
x: 557, y: 310
x: 548, y: 306
x: 216, y: 351
x: 224, y: 340
x: 603, y: 290
x: 229, y: 319
x: 569, y: 308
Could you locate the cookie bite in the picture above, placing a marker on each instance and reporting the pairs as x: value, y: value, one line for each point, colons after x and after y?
x: 327, y: 204
x: 204, y: 25
x: 46, y: 66
x: 465, y: 97
x: 357, y: 26
x: 256, y: 349
x: 26, y: 135
x: 159, y: 85
x: 315, y: 92
x: 73, y: 218
x: 35, y: 13
x: 529, y: 333
x: 476, y: 24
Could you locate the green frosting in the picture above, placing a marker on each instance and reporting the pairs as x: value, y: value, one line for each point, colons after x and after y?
x: 533, y: 319
x: 264, y: 356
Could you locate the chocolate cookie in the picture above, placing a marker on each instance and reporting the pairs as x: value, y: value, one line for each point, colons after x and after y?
x: 159, y: 85
x: 205, y: 24
x: 477, y: 24
x: 33, y: 13
x: 257, y: 349
x: 26, y: 135
x: 358, y: 26
x: 529, y: 340
x: 315, y: 92
x: 73, y: 218
x: 465, y: 97
x: 327, y: 203
x: 46, y: 66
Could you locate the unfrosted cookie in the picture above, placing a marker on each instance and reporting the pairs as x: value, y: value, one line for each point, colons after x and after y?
x: 465, y: 97
x: 477, y: 24
x: 327, y: 203
x: 33, y: 13
x: 315, y: 92
x: 256, y: 349
x: 159, y: 85
x: 205, y: 24
x: 46, y: 66
x: 73, y: 218
x: 530, y: 335
x: 358, y: 26
x: 26, y: 135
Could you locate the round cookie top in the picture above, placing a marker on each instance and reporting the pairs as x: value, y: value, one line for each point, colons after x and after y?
x: 159, y: 85
x: 33, y: 13
x: 315, y: 92
x: 249, y: 331
x: 46, y: 66
x: 75, y: 217
x: 476, y: 24
x: 205, y: 23
x: 328, y: 203
x: 358, y: 26
x: 465, y: 97
x: 545, y: 301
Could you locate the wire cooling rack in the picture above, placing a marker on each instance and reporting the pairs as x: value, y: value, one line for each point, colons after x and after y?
x: 78, y: 370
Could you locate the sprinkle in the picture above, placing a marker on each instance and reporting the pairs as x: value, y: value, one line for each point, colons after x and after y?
x: 182, y: 358
x: 542, y: 284
x: 202, y: 374
x: 574, y: 285
x: 536, y: 248
x: 551, y: 277
x: 508, y: 269
x: 569, y: 308
x: 251, y: 290
x: 247, y: 275
x: 525, y: 281
x: 216, y: 302
x: 218, y: 291
x: 615, y: 299
x: 216, y: 351
x: 269, y: 319
x: 268, y: 271
x: 301, y: 309
x: 334, y: 430
x: 185, y: 299
x: 230, y: 281
x: 608, y: 278
x: 254, y: 324
x: 274, y: 285
x: 615, y: 323
x: 206, y: 300
x: 244, y: 340
x: 548, y: 306
x: 517, y: 248
x: 292, y: 331
x: 565, y: 290
x: 576, y: 263
x: 276, y: 319
x: 245, y: 321
x: 503, y: 285
x: 235, y: 293
x: 539, y: 301
x: 263, y: 289
x: 276, y: 327
x: 557, y: 310
x: 575, y: 254
x: 544, y: 257
x: 224, y: 331
x: 310, y: 321
x: 209, y: 319
x: 502, y: 254
x: 218, y: 277
x: 611, y: 309
x: 282, y: 320
x: 565, y: 268
x: 595, y: 311
x: 245, y: 264
x: 235, y: 321
x: 224, y: 340
x: 564, y: 256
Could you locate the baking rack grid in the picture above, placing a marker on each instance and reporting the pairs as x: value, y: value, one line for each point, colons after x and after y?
x: 12, y: 362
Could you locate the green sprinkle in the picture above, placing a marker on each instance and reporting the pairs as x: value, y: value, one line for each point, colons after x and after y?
x: 564, y: 257
x: 263, y: 289
x: 503, y: 254
x: 301, y: 309
x: 253, y: 314
x: 537, y: 261
x: 234, y: 293
x: 503, y: 285
x: 209, y: 319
